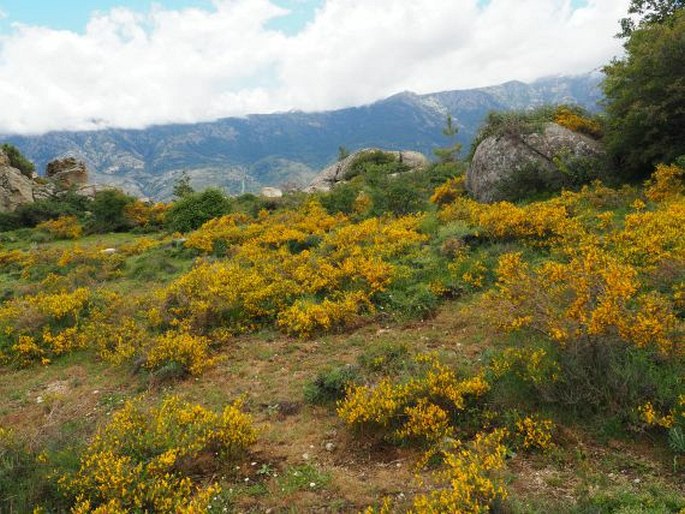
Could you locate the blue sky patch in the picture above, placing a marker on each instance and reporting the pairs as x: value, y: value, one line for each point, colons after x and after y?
x: 74, y: 14
x: 301, y: 13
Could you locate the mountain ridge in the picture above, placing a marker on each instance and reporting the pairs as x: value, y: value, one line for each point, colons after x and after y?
x: 289, y: 148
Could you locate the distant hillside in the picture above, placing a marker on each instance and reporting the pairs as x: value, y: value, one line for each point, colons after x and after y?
x: 244, y: 154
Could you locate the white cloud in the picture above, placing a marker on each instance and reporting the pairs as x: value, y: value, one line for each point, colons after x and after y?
x: 132, y: 69
x: 3, y: 14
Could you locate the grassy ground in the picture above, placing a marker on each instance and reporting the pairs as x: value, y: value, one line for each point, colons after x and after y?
x: 306, y: 461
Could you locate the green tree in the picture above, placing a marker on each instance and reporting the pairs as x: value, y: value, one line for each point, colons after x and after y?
x: 449, y: 153
x: 194, y: 209
x: 108, y: 211
x: 182, y: 186
x: 645, y: 98
x: 17, y: 160
x: 647, y: 12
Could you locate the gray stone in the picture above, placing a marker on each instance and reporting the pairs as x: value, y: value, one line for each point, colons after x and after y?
x: 271, y: 192
x: 339, y: 171
x: 499, y: 158
x: 15, y: 189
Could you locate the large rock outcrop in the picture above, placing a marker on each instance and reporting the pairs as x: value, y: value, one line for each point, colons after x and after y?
x: 15, y: 188
x: 62, y: 175
x: 67, y: 172
x: 342, y: 170
x: 499, y: 159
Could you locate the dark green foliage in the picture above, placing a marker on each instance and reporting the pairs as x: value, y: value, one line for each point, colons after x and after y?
x: 341, y: 198
x: 17, y: 160
x: 24, y: 480
x: 645, y: 98
x: 649, y: 12
x: 373, y: 161
x: 399, y: 195
x: 330, y: 385
x: 598, y: 377
x: 108, y: 211
x: 31, y: 214
x: 195, y: 209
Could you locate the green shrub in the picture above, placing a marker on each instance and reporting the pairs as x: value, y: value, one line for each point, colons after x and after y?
x: 387, y: 357
x: 195, y: 209
x: 366, y: 161
x: 341, y: 198
x: 31, y: 214
x: 330, y: 385
x: 17, y: 160
x: 108, y: 208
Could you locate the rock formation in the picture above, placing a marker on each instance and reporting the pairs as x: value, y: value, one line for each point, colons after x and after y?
x: 15, y: 188
x: 340, y: 171
x: 61, y: 175
x: 67, y: 172
x: 498, y: 159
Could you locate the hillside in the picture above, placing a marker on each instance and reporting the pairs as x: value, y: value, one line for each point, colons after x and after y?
x: 314, y: 354
x: 244, y: 154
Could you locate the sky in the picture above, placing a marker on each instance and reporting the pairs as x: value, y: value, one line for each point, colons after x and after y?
x: 80, y: 65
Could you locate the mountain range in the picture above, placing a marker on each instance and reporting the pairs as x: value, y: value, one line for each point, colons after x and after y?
x: 288, y: 149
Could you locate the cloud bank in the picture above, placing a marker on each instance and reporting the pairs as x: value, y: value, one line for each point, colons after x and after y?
x: 133, y: 69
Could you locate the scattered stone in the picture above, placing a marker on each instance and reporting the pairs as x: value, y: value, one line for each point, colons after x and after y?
x: 329, y: 447
x: 109, y: 251
x: 271, y: 192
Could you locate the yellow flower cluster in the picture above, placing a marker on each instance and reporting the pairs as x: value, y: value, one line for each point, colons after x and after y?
x: 449, y: 191
x: 423, y: 408
x: 189, y: 351
x: 535, y: 433
x: 142, y: 214
x: 573, y: 121
x: 304, y: 271
x: 41, y: 326
x: 667, y: 183
x: 305, y: 318
x: 649, y: 415
x: 469, y: 485
x: 64, y: 227
x: 139, y: 461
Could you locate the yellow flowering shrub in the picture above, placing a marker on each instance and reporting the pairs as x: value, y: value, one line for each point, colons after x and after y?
x: 41, y: 326
x: 535, y: 433
x: 449, y: 191
x: 304, y: 271
x: 424, y: 408
x: 667, y: 182
x: 306, y: 318
x: 142, y: 214
x: 143, y: 459
x: 190, y: 352
x: 64, y: 227
x: 576, y: 122
x: 466, y: 482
